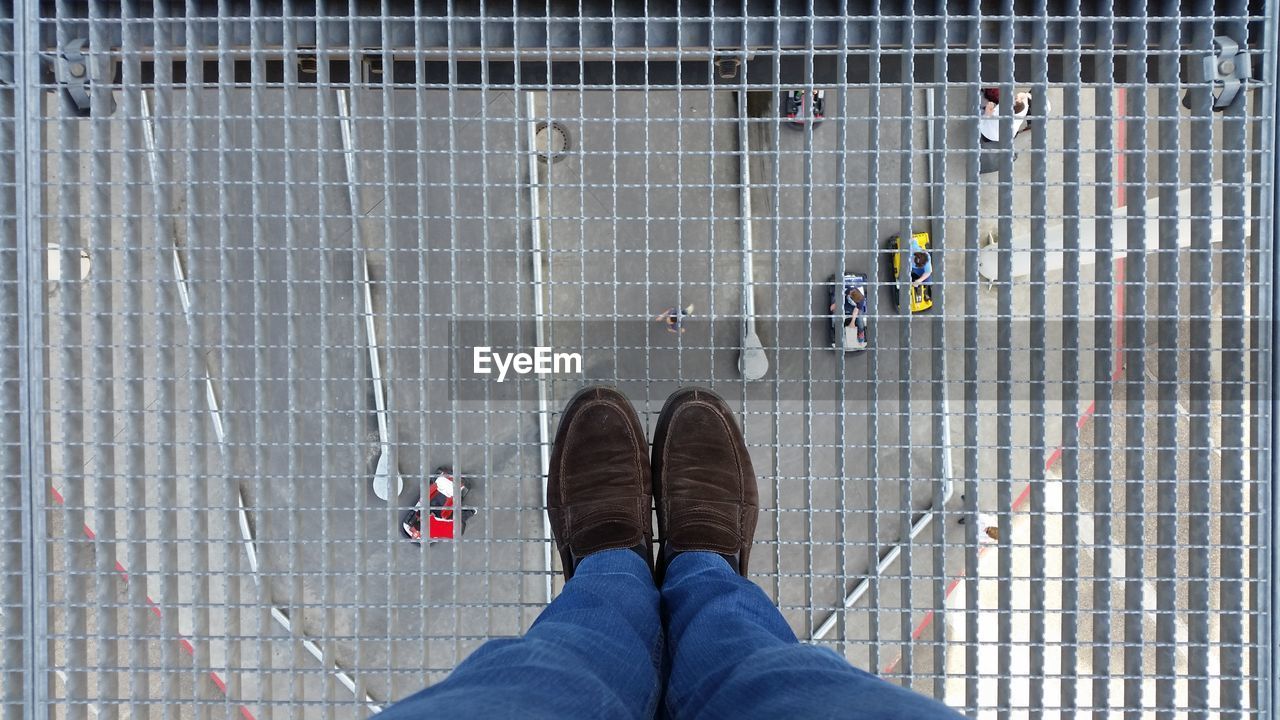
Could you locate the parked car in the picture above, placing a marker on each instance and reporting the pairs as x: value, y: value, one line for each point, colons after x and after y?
x: 921, y: 298
x: 847, y: 333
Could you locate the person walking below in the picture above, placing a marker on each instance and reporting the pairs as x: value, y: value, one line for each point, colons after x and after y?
x: 684, y: 633
x: 990, y: 121
x: 674, y: 318
x: 855, y: 311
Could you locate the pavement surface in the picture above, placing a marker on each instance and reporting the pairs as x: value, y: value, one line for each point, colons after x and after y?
x: 645, y: 214
x: 1117, y: 548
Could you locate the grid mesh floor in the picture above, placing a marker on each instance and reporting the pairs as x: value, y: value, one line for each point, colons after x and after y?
x: 1048, y: 495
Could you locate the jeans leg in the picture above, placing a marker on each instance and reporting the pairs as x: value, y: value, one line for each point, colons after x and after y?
x: 732, y: 654
x: 594, y: 652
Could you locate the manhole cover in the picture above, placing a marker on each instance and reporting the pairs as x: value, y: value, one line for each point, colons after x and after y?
x: 552, y: 141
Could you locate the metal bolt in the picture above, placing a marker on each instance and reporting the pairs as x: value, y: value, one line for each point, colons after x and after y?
x: 1226, y: 67
x: 76, y: 69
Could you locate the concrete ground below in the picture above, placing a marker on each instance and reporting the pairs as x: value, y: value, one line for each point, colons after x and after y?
x: 643, y: 213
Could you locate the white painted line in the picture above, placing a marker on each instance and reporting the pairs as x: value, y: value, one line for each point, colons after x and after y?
x: 246, y: 535
x: 387, y: 482
x: 540, y: 331
x: 1051, y: 242
x: 282, y: 618
x: 863, y: 585
x: 753, y: 363
x: 1184, y: 412
x: 179, y: 271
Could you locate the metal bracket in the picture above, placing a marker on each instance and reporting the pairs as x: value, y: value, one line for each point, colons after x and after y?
x: 372, y: 70
x: 72, y: 69
x: 727, y: 67
x: 1222, y: 73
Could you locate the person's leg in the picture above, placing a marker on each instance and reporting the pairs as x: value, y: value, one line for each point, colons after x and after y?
x: 732, y: 654
x: 594, y: 652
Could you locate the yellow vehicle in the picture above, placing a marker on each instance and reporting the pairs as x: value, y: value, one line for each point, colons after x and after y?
x: 922, y: 294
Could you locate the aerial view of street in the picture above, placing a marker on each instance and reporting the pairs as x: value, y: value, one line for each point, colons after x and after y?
x: 298, y: 315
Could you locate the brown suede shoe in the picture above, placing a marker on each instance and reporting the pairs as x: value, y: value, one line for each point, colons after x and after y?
x: 703, y: 481
x: 598, y: 495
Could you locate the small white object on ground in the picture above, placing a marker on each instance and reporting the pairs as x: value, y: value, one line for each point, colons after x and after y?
x: 444, y: 485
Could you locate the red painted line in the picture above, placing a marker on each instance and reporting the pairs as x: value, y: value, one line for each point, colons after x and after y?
x: 915, y: 634
x: 928, y: 616
x: 155, y: 608
x: 1018, y: 502
x: 1118, y: 317
x: 951, y: 586
x: 1084, y: 417
x: 1053, y: 458
x: 1025, y: 495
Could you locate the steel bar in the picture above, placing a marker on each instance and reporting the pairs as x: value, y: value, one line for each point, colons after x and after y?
x: 913, y: 335
x: 1071, y: 394
x: 1267, y: 531
x: 1133, y: 325
x: 874, y: 126
x: 973, y: 472
x: 1036, y: 362
x: 843, y: 424
x: 1200, y: 500
x: 1234, y: 626
x: 1167, y: 351
x: 18, y: 633
x: 67, y: 454
x: 139, y: 324
x: 1004, y: 368
x: 646, y: 32
x: 1104, y: 341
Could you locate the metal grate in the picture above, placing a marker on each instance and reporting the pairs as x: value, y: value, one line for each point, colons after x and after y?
x: 196, y: 198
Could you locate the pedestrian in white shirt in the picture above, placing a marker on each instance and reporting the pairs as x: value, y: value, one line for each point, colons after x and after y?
x: 989, y: 123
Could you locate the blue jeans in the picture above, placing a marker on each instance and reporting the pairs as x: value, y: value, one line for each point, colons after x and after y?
x: 599, y: 651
